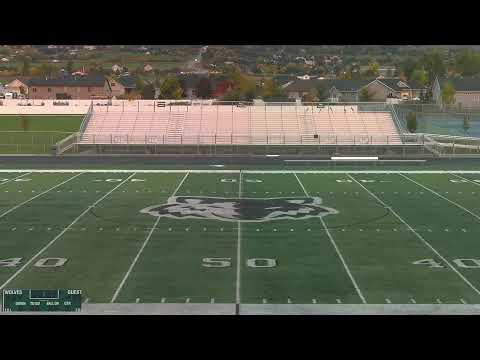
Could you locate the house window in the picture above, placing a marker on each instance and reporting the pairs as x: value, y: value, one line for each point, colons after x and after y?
x: 89, y: 89
x: 49, y: 89
x: 34, y: 89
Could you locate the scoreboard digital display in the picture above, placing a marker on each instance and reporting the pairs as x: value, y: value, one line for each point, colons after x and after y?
x: 42, y: 300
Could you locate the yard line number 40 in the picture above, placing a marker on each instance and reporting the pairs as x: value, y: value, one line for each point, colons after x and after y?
x: 463, y: 263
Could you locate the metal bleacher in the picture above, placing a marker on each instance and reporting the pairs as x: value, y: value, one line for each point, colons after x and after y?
x: 347, y: 124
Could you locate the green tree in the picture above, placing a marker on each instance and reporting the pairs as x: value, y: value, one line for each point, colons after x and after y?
x: 69, y: 66
x: 373, y: 68
x: 433, y: 64
x: 365, y: 95
x: 148, y: 92
x: 275, y: 94
x: 139, y: 85
x: 321, y: 91
x: 47, y: 70
x: 204, y: 88
x: 408, y: 66
x: 420, y: 75
x: 233, y: 95
x: 466, y: 123
x: 156, y: 74
x: 448, y: 93
x: 171, y: 89
x: 26, y: 66
x: 412, y: 124
x: 467, y: 63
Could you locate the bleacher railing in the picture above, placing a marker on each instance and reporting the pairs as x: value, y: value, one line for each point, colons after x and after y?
x: 247, y: 139
x: 86, y: 119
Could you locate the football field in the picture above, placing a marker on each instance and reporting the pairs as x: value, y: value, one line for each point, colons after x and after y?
x: 243, y: 237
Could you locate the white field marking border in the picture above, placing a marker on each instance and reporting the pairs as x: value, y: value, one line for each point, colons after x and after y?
x: 239, y: 243
x: 418, y: 235
x: 140, y: 251
x: 33, y: 198
x: 441, y: 196
x: 463, y: 178
x: 236, y: 171
x: 15, y: 178
x: 349, y: 273
x: 62, y: 232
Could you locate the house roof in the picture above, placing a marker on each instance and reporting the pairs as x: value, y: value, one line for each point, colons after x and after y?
x: 302, y: 85
x: 90, y: 80
x: 463, y: 84
x: 4, y: 80
x: 399, y: 85
x: 339, y: 84
x: 191, y: 80
x: 347, y: 85
x: 127, y: 81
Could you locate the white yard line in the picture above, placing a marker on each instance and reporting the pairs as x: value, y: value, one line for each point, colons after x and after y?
x: 63, y: 232
x: 239, y: 257
x: 236, y: 171
x: 15, y: 178
x: 463, y: 178
x: 147, y: 239
x: 443, y: 197
x: 33, y: 198
x: 350, y: 275
x: 420, y: 237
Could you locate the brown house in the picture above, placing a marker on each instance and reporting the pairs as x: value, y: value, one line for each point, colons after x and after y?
x: 17, y: 86
x: 69, y: 87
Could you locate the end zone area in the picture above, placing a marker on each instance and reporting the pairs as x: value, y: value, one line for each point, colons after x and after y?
x: 248, y: 240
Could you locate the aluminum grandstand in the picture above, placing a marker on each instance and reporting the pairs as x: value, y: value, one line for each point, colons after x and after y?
x: 223, y: 128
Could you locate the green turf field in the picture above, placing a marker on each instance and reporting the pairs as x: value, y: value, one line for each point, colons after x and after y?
x: 34, y: 134
x: 247, y: 237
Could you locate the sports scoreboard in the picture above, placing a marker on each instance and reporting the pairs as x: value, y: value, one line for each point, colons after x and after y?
x: 41, y: 300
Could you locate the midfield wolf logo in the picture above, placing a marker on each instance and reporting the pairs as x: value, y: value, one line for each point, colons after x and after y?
x: 245, y: 210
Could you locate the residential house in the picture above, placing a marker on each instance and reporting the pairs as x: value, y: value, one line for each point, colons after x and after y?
x: 345, y: 90
x: 122, y: 86
x: 190, y: 83
x: 338, y: 90
x: 297, y: 89
x: 467, y: 91
x: 350, y: 90
x: 69, y: 87
x: 383, y: 88
x: 17, y: 86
